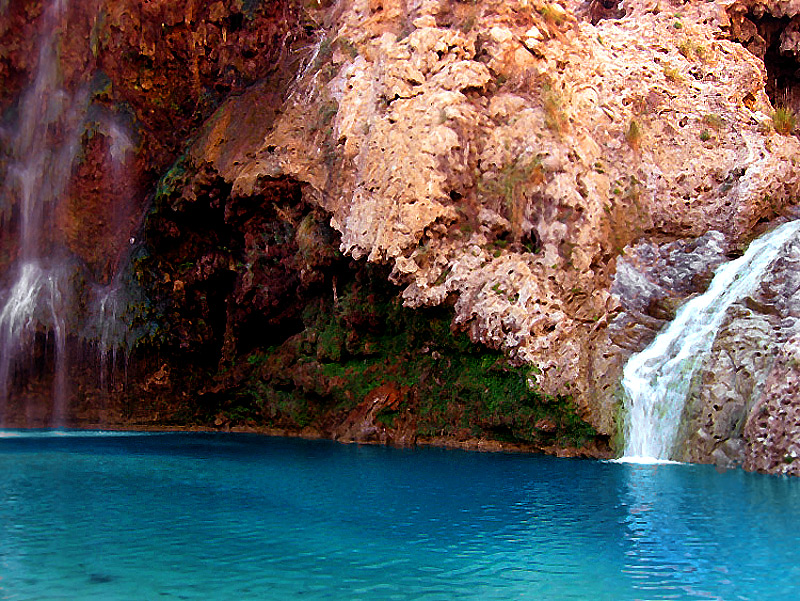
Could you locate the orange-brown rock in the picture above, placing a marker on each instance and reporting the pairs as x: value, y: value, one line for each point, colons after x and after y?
x: 385, y: 416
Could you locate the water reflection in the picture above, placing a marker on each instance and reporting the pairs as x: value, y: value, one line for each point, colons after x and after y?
x: 662, y: 559
x: 695, y: 534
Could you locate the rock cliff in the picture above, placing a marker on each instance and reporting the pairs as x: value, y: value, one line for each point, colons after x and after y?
x: 509, y: 157
x: 558, y: 175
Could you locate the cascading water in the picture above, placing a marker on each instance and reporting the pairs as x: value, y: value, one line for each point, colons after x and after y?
x: 657, y: 380
x: 38, y: 304
x: 110, y: 325
x: 43, y: 149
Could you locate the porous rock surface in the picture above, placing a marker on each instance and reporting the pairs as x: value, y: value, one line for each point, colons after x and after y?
x: 511, y: 157
x: 742, y: 407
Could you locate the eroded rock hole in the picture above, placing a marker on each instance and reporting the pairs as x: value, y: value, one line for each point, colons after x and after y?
x: 597, y: 10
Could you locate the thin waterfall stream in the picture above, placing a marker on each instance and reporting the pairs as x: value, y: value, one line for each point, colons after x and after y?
x: 41, y: 164
x: 657, y: 380
x: 41, y: 296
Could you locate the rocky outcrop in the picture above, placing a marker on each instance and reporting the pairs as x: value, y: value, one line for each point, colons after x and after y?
x: 150, y: 74
x: 561, y: 175
x: 772, y: 429
x: 769, y: 29
x: 110, y: 83
x: 384, y: 416
x: 501, y: 156
x: 650, y: 283
x: 737, y: 409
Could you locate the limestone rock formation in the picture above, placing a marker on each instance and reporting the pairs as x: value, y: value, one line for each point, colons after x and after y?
x: 561, y: 174
x: 773, y: 429
x: 737, y: 411
x: 502, y: 156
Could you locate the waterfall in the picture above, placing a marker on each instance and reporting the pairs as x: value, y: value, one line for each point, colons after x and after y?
x: 42, y: 288
x: 657, y: 380
x: 110, y: 325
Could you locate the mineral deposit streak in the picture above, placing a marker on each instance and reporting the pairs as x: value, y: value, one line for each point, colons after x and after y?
x: 657, y: 380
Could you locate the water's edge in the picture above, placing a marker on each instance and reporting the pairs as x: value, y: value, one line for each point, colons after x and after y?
x: 482, y: 445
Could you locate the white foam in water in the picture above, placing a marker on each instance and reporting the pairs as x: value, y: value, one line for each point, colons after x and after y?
x: 645, y: 461
x: 657, y: 380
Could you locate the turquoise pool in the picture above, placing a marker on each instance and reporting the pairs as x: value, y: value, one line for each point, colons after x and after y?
x: 109, y: 516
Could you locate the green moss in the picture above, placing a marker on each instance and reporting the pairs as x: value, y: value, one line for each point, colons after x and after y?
x: 173, y: 180
x: 633, y: 135
x: 327, y: 111
x: 553, y: 105
x: 620, y: 417
x: 387, y: 417
x: 367, y: 339
x: 511, y: 184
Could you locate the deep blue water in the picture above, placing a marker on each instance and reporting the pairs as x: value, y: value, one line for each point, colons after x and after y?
x: 207, y: 516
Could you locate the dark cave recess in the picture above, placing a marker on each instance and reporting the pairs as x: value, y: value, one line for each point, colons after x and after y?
x: 775, y: 40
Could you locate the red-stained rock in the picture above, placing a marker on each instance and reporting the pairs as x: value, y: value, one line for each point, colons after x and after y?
x: 104, y: 205
x: 385, y: 416
x: 156, y: 68
x: 18, y: 38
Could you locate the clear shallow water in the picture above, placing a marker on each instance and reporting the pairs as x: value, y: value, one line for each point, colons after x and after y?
x: 203, y: 516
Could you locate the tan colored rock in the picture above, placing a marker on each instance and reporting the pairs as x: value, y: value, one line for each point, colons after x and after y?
x: 513, y: 182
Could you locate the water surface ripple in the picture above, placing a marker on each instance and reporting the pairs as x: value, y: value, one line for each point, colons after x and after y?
x: 212, y: 517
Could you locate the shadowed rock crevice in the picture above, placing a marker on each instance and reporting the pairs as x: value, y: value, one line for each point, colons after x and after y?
x: 771, y: 31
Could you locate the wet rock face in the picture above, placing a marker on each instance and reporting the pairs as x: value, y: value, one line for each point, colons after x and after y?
x: 231, y: 273
x: 173, y: 63
x: 772, y: 430
x: 153, y: 72
x: 386, y: 416
x: 103, y: 209
x: 18, y: 38
x: 650, y: 275
x: 741, y: 408
x: 651, y: 282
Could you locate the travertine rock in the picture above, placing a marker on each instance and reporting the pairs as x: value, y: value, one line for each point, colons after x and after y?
x: 741, y: 382
x: 502, y: 155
